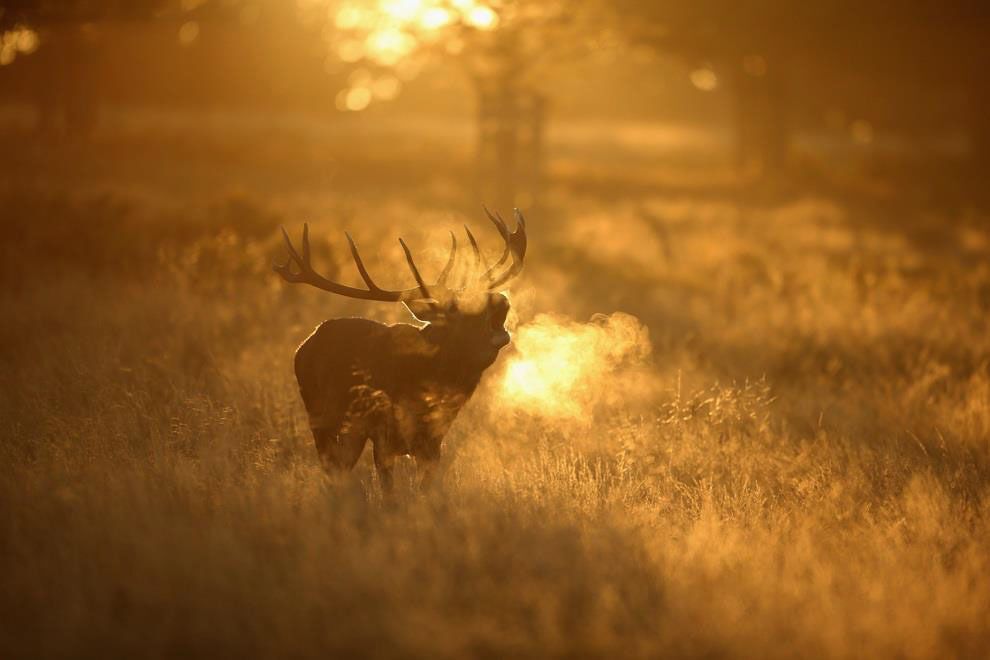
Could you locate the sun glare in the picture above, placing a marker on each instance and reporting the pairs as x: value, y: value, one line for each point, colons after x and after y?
x: 394, y: 34
x: 483, y: 18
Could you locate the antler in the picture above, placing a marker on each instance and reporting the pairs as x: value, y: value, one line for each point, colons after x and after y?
x: 307, y: 275
x: 515, y: 246
x: 299, y: 270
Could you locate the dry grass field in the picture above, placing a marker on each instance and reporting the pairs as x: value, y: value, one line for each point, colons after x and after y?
x: 774, y: 443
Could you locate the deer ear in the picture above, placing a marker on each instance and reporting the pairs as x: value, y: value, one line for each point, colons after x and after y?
x: 424, y: 311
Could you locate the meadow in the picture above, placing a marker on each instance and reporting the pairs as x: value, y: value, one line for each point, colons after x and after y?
x: 774, y: 443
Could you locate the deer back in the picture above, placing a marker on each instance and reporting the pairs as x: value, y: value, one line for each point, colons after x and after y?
x: 352, y: 361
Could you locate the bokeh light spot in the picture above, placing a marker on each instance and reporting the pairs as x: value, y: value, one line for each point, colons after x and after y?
x: 386, y: 88
x: 483, y: 18
x: 350, y: 50
x: 755, y: 65
x: 404, y: 10
x: 861, y: 131
x: 19, y: 40
x: 389, y: 45
x: 435, y: 18
x: 349, y: 18
x: 704, y: 79
x: 357, y: 99
x: 188, y: 33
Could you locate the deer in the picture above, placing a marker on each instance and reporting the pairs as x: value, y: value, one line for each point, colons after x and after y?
x: 401, y: 385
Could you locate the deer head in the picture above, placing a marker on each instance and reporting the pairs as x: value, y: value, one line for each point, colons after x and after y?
x: 464, y: 321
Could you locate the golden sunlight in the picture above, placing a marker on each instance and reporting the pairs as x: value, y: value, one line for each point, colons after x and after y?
x: 393, y: 33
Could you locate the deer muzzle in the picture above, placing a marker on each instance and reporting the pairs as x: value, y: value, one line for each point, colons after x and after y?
x: 500, y: 339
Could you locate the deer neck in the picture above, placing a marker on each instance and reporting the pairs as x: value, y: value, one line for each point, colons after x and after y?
x: 452, y: 366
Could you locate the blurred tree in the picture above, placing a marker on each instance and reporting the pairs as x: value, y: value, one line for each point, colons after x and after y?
x: 740, y: 42
x: 85, y: 52
x: 502, y: 47
x: 63, y: 25
x: 767, y: 49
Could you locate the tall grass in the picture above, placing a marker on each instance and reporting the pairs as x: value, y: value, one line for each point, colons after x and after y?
x: 809, y: 476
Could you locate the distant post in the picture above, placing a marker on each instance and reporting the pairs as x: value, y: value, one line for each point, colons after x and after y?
x: 511, y: 122
x: 761, y: 114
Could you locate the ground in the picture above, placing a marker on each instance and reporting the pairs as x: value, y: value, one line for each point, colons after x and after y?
x: 775, y: 444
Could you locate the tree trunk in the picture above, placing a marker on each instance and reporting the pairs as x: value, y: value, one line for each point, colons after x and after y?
x: 979, y: 126
x: 510, y: 143
x: 66, y: 97
x: 761, y: 117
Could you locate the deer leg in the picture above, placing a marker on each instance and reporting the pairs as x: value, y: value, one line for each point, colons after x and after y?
x: 428, y: 463
x: 339, y: 451
x: 384, y: 461
x: 430, y: 471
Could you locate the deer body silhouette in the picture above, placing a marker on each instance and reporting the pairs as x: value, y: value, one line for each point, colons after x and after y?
x: 401, y: 386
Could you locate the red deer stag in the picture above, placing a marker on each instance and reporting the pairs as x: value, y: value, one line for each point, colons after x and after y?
x: 401, y: 386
